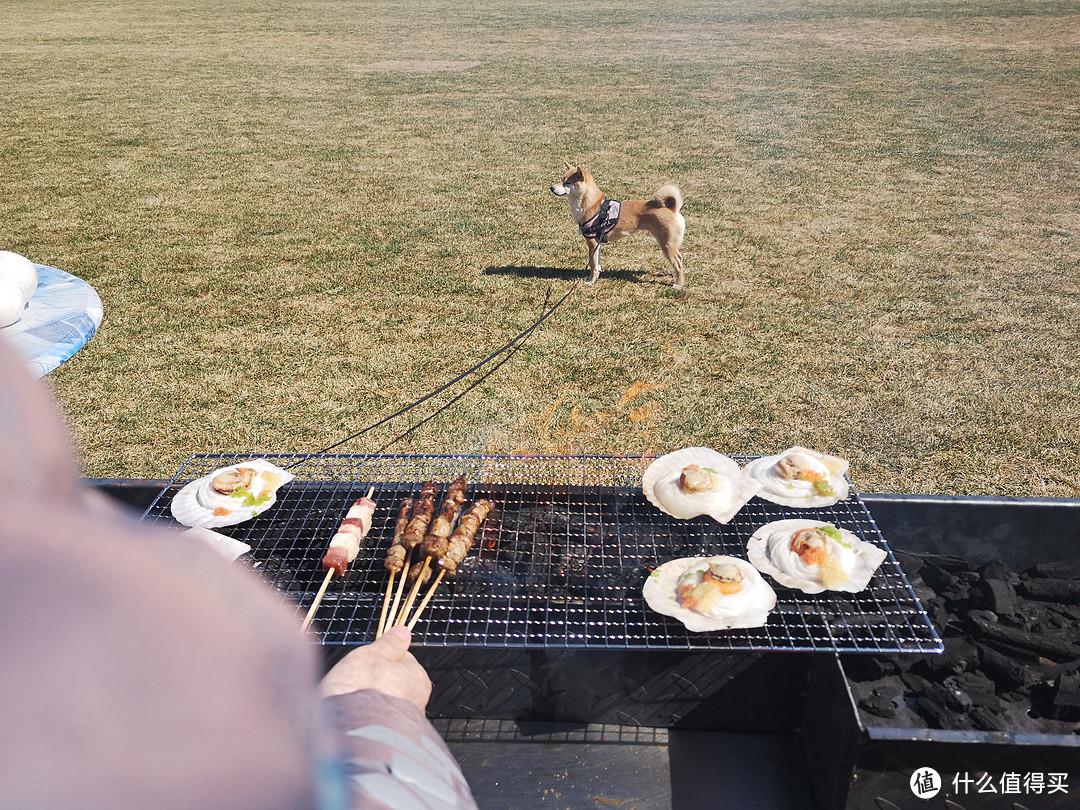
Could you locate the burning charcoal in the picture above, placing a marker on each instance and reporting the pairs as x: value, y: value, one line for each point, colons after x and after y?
x: 996, y: 595
x: 1052, y: 590
x: 483, y: 578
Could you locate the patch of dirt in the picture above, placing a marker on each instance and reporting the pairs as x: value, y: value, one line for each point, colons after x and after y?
x: 416, y: 66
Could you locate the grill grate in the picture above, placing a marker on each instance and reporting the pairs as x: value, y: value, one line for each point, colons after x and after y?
x: 560, y: 563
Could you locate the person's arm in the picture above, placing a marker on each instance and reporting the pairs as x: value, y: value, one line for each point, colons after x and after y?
x: 375, y: 698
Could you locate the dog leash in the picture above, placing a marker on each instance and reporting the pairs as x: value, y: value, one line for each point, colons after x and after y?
x: 510, y: 349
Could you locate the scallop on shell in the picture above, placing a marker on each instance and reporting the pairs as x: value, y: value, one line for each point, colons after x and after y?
x: 769, y: 549
x: 662, y: 485
x: 749, y: 607
x: 200, y: 505
x: 831, y: 488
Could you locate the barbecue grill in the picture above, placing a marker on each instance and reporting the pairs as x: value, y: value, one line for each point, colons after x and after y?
x: 559, y: 564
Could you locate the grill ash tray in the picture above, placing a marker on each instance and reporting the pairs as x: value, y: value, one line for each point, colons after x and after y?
x: 558, y: 564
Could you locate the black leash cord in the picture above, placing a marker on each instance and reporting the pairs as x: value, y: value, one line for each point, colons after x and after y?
x: 470, y: 387
x: 515, y: 343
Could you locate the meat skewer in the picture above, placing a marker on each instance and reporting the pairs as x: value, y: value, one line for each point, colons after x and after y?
x: 435, y: 541
x: 395, y: 559
x: 434, y: 537
x: 411, y: 536
x: 421, y: 517
x: 464, y: 535
x: 458, y: 546
x: 344, y: 546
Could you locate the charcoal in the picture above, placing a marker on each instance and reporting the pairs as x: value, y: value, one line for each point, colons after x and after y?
x: 985, y: 720
x: 1062, y: 569
x: 960, y: 654
x: 916, y: 684
x: 1006, y: 672
x: 1012, y: 651
x: 932, y: 706
x: 869, y: 667
x: 1066, y: 698
x: 1052, y: 590
x: 985, y: 624
x: 996, y: 570
x: 878, y: 705
x: 997, y: 596
x: 958, y: 700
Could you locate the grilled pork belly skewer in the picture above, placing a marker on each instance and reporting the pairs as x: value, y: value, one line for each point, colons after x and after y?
x: 458, y: 546
x: 344, y: 546
x: 395, y: 560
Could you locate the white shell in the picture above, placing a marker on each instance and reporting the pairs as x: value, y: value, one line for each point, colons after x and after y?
x: 799, y: 493
x: 660, y: 483
x: 748, y: 608
x: 769, y: 549
x: 226, y: 546
x: 20, y: 270
x: 195, y: 504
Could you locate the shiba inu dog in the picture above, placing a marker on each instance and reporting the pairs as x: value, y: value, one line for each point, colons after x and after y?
x: 601, y: 220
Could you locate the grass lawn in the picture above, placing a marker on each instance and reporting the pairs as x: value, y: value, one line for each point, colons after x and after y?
x: 303, y: 216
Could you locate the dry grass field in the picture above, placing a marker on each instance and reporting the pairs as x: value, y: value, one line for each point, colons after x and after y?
x: 302, y: 216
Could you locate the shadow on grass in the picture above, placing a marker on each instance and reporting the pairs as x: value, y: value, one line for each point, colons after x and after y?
x: 528, y: 271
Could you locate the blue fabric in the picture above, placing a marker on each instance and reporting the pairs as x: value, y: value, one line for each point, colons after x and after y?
x: 63, y: 314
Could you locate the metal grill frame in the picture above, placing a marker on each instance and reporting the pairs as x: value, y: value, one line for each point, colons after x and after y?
x: 601, y: 494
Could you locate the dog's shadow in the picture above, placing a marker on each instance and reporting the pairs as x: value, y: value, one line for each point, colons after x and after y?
x: 528, y: 271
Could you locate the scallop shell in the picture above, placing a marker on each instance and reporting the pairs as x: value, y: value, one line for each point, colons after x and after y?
x: 660, y: 483
x: 800, y: 494
x: 228, y: 547
x: 195, y: 504
x: 749, y: 608
x: 770, y: 552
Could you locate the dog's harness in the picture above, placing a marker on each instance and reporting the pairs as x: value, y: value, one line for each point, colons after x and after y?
x: 606, y: 218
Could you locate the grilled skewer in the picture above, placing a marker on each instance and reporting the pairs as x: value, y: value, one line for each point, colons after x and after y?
x: 395, y: 559
x: 344, y: 546
x: 458, y: 546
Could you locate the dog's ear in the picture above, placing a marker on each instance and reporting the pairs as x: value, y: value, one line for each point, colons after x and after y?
x: 567, y: 166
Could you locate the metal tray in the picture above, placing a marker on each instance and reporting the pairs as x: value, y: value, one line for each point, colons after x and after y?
x: 560, y: 563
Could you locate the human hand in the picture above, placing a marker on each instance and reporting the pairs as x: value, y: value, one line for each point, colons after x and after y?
x: 385, y: 665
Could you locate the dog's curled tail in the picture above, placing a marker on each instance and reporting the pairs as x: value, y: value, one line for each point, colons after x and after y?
x: 669, y: 196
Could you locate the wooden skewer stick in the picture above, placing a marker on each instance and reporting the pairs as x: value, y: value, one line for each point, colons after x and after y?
x: 318, y: 599
x: 325, y: 584
x: 412, y: 594
x: 386, y: 604
x: 426, y: 599
x: 391, y: 619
